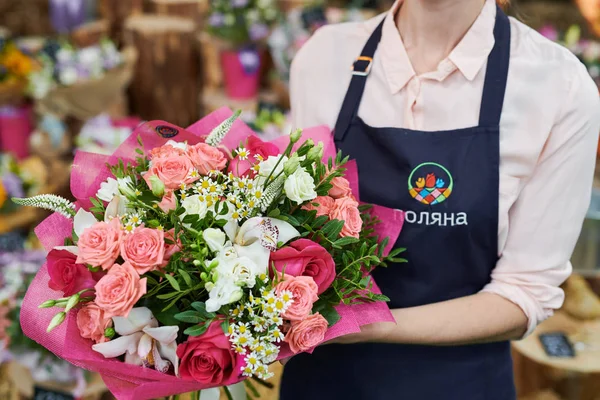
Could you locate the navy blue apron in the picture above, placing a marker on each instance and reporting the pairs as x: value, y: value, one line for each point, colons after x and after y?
x: 447, y: 183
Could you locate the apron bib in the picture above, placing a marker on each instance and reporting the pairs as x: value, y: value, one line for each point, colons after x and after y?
x: 447, y: 183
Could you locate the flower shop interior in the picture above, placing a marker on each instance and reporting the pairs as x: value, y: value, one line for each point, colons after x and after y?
x: 81, y: 75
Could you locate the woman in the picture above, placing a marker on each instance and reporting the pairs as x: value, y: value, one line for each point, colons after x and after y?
x: 494, y: 129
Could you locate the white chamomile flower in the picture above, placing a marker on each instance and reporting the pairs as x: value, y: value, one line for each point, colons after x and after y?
x: 129, y: 227
x: 242, y: 153
x: 252, y: 360
x: 260, y: 324
x: 259, y: 158
x: 269, y: 310
x: 269, y: 298
x: 238, y: 312
x: 287, y: 297
x: 194, y: 174
x: 248, y: 370
x: 271, y: 353
x: 241, y: 340
x: 242, y: 328
x: 276, y: 320
x: 276, y: 335
x: 239, y: 350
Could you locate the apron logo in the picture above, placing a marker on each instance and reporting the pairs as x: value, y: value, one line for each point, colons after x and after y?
x: 430, y: 183
x: 166, y: 131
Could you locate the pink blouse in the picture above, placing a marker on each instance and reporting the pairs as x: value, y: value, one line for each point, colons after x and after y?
x: 548, y: 133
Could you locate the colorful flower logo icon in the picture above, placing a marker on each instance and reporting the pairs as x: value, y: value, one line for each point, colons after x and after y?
x: 430, y: 183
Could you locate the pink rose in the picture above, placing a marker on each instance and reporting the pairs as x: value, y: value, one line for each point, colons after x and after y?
x: 304, y: 293
x: 144, y: 248
x: 324, y: 207
x: 92, y: 323
x: 255, y: 146
x: 170, y: 248
x: 206, y: 158
x: 306, y: 334
x: 168, y: 202
x: 119, y: 290
x: 99, y: 244
x: 304, y: 257
x: 66, y: 275
x: 209, y: 359
x: 166, y: 151
x: 341, y: 188
x: 346, y: 209
x: 172, y: 171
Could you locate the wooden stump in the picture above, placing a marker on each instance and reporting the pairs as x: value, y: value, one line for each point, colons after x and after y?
x: 116, y: 13
x: 167, y: 78
x: 194, y: 9
x: 90, y: 34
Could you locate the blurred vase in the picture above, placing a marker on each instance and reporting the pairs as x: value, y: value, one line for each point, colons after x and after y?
x: 241, y: 72
x: 67, y: 14
x: 15, y: 128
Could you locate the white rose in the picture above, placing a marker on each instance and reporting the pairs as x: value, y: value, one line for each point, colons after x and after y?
x: 215, y: 239
x: 68, y: 76
x: 108, y: 190
x: 193, y: 206
x: 267, y: 166
x: 300, y: 186
x: 225, y: 291
x: 242, y: 270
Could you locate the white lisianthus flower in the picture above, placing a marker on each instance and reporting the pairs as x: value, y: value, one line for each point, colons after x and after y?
x: 224, y: 292
x: 125, y: 185
x: 178, y: 145
x: 267, y: 166
x: 215, y: 239
x: 300, y: 186
x: 108, y: 190
x: 83, y: 220
x: 194, y: 206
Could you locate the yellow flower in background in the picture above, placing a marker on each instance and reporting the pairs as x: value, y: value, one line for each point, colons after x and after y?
x: 16, y: 63
x: 3, y: 195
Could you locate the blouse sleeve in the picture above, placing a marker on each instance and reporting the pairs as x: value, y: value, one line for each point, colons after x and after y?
x: 546, y: 219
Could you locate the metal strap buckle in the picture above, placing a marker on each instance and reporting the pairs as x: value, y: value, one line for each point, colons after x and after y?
x: 367, y: 69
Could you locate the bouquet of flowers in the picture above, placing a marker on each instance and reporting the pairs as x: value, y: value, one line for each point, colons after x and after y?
x: 15, y: 67
x: 206, y: 257
x: 64, y: 65
x: 14, y: 182
x: 242, y: 21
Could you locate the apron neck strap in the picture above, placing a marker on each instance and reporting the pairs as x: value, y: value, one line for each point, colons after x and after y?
x: 494, y: 87
x: 496, y: 73
x: 360, y: 71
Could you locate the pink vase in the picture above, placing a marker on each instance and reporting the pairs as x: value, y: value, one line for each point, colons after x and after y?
x: 241, y: 73
x: 15, y: 128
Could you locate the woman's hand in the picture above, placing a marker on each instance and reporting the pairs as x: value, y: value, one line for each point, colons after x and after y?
x: 377, y: 332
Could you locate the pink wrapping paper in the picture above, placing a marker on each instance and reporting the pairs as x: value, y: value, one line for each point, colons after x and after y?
x: 16, y: 126
x: 129, y: 382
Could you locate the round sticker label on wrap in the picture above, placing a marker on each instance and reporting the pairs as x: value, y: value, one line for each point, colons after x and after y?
x: 166, y: 131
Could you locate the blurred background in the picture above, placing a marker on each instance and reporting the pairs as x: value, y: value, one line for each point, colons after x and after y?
x: 82, y: 74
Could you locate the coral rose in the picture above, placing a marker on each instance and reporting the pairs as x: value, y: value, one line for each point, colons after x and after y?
x: 92, y: 323
x: 172, y: 171
x: 168, y: 202
x: 166, y: 151
x: 304, y: 293
x: 170, y: 248
x: 306, y: 334
x: 206, y: 158
x: 341, y: 188
x: 324, y: 205
x: 209, y: 359
x: 346, y: 209
x: 99, y: 244
x: 144, y: 248
x: 119, y: 290
x: 304, y: 257
x: 66, y: 275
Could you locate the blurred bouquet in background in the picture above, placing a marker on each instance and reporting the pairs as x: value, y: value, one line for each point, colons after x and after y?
x: 241, y: 22
x: 103, y: 135
x: 14, y: 182
x: 15, y: 68
x: 270, y: 123
x: 65, y: 65
x: 588, y: 51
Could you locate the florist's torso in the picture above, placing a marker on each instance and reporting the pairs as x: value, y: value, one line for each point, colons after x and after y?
x: 465, y: 168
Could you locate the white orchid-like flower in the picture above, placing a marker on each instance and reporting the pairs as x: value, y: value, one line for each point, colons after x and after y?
x: 242, y: 253
x: 142, y: 341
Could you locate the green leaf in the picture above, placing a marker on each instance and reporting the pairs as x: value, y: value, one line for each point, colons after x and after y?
x: 201, y: 308
x: 167, y: 318
x: 275, y: 213
x: 191, y: 317
x: 345, y: 241
x: 225, y: 326
x: 173, y: 282
x: 330, y: 314
x: 292, y: 220
x: 186, y: 277
x: 197, y: 330
x: 167, y: 296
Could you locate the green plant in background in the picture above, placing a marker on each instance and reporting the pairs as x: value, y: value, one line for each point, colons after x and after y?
x: 242, y: 22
